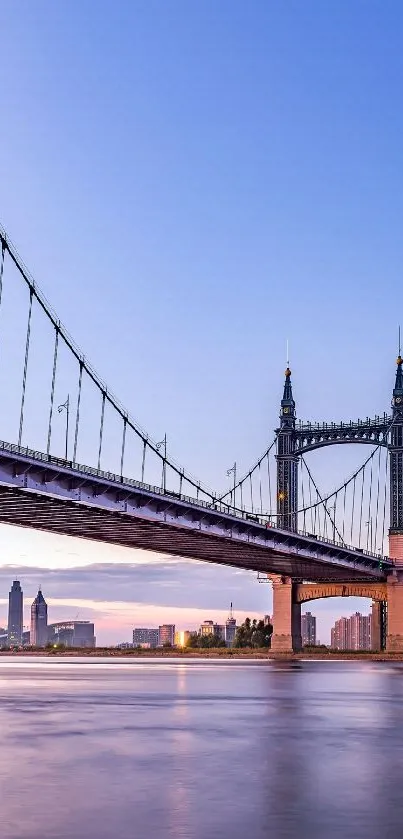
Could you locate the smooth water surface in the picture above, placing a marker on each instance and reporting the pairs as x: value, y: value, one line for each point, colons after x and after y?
x: 101, y: 749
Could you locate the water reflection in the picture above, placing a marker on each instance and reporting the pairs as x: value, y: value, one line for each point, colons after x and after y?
x: 200, y: 751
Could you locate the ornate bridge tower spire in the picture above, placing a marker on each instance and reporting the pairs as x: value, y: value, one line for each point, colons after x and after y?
x: 394, y: 640
x: 396, y: 467
x: 287, y: 460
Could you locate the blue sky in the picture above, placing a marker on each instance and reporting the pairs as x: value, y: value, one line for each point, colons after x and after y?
x: 191, y: 184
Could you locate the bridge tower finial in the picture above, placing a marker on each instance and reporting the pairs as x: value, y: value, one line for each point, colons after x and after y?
x: 287, y: 400
x: 398, y: 388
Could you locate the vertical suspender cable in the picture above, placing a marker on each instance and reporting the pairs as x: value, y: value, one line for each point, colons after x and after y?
x: 52, y: 390
x: 310, y: 503
x: 241, y: 491
x: 24, y: 378
x: 361, y: 506
x: 335, y: 518
x: 122, y: 453
x: 303, y: 496
x: 377, y: 500
x: 3, y: 253
x: 384, y: 501
x: 180, y: 483
x: 269, y: 479
x: 101, y: 429
x: 251, y: 491
x: 316, y: 512
x: 352, y: 511
x: 344, y: 512
x: 260, y: 491
x: 143, y: 461
x: 369, y: 523
x: 80, y: 379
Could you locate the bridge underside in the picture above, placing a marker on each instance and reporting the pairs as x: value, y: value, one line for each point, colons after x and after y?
x: 37, y: 510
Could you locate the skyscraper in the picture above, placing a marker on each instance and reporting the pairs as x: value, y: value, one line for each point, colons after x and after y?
x: 15, y: 611
x: 308, y: 629
x: 166, y: 634
x: 39, y: 621
x: 352, y: 633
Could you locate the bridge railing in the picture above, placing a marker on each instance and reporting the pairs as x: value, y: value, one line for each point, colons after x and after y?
x: 264, y: 520
x: 375, y: 422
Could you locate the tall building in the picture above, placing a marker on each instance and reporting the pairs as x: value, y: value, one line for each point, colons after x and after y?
x: 15, y: 612
x: 211, y: 628
x: 308, y: 629
x: 39, y: 621
x: 230, y: 629
x: 72, y: 633
x: 353, y: 633
x: 166, y: 634
x: 145, y: 637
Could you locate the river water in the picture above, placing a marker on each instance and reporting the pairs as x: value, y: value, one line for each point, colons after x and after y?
x: 97, y: 749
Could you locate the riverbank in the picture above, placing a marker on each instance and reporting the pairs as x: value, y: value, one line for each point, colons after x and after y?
x: 219, y: 653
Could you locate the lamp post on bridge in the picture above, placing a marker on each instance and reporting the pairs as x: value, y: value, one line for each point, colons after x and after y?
x: 369, y: 539
x: 230, y: 472
x: 66, y: 407
x: 164, y: 460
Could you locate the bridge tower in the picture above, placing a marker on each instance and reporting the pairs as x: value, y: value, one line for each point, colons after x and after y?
x: 394, y: 641
x: 287, y: 461
x: 286, y: 610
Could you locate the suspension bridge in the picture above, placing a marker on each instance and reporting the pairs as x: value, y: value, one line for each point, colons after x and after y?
x: 273, y: 520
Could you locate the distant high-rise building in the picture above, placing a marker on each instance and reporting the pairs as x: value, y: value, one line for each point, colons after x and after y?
x: 230, y: 629
x: 308, y: 629
x: 352, y: 633
x: 166, y: 634
x: 15, y: 612
x: 145, y: 637
x: 39, y: 621
x: 72, y: 633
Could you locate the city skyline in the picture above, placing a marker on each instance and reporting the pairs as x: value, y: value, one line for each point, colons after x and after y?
x: 115, y: 619
x: 343, y: 629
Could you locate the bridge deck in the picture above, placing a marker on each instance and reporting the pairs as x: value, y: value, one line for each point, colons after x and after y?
x: 47, y: 493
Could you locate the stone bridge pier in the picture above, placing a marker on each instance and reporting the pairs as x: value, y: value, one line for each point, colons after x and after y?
x: 394, y: 641
x: 288, y: 596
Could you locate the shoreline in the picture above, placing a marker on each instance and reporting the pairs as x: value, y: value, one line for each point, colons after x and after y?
x: 238, y: 655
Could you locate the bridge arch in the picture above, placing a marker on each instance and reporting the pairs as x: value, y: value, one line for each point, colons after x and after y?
x: 311, y: 436
x: 320, y: 444
x: 304, y: 592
